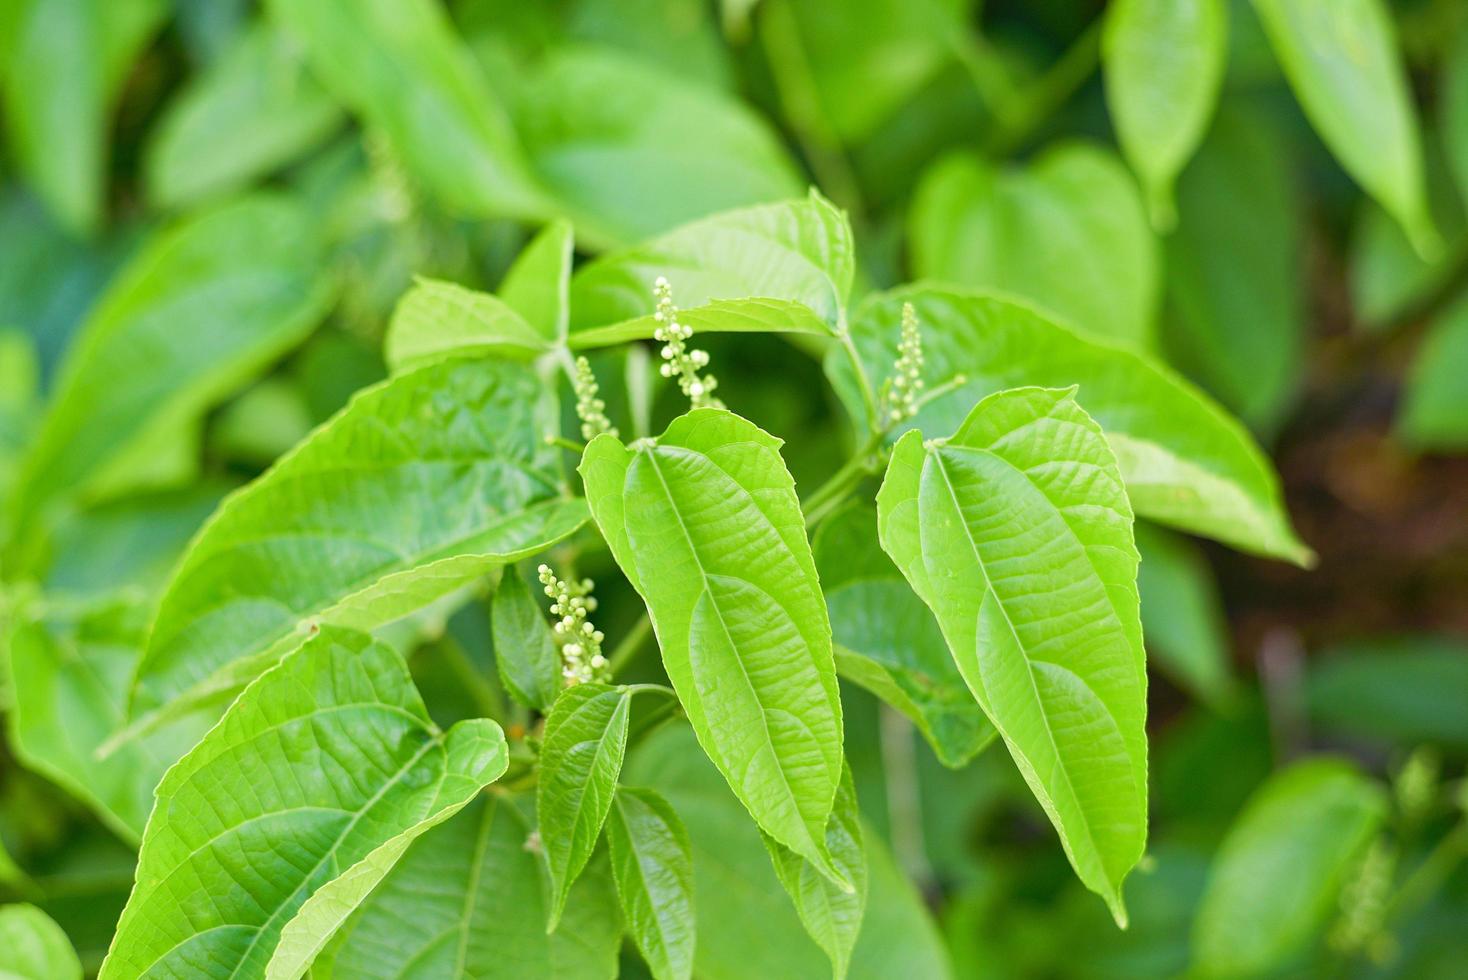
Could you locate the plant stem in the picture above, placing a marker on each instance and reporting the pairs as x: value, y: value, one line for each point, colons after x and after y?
x: 1050, y: 92
x: 565, y: 443
x: 825, y: 497
x: 624, y: 651
x: 1430, y: 874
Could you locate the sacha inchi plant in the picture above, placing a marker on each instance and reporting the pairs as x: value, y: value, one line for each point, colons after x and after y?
x: 972, y: 564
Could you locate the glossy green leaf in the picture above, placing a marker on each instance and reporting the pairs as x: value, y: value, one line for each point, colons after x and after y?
x: 251, y: 112
x: 525, y: 652
x: 652, y: 863
x: 706, y: 525
x: 434, y: 319
x: 1434, y: 412
x: 142, y: 368
x: 831, y: 915
x: 1068, y: 233
x: 887, y: 640
x: 1163, y: 61
x: 1182, y: 614
x: 270, y: 830
x: 1342, y: 60
x: 419, y: 486
x: 1185, y: 461
x: 33, y: 946
x: 580, y: 760
x: 785, y: 266
x: 538, y: 285
x: 1017, y: 533
x: 1400, y: 690
x: 469, y: 900
x: 1276, y: 876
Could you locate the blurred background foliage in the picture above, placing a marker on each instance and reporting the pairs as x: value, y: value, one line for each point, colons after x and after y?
x: 293, y: 165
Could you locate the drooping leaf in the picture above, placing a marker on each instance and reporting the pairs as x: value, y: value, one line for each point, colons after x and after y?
x: 270, y: 830
x: 580, y: 760
x: 435, y: 319
x: 706, y: 526
x: 525, y: 651
x: 785, y: 266
x: 1017, y: 533
x: 887, y: 640
x: 1186, y: 462
x: 1401, y: 690
x: 33, y: 946
x: 831, y: 915
x: 419, y: 486
x: 1182, y: 615
x: 1434, y: 412
x: 1276, y: 876
x: 1068, y: 233
x: 538, y: 285
x: 251, y: 112
x: 652, y: 864
x: 1163, y: 61
x: 1341, y: 58
x: 470, y: 900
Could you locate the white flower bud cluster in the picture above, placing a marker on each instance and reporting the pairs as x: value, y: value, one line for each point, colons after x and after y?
x: 900, y: 393
x: 590, y: 409
x: 1361, y: 927
x: 678, y: 360
x: 580, y: 642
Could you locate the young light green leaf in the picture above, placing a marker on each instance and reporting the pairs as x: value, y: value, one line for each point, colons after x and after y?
x: 1069, y: 233
x: 705, y: 524
x: 399, y: 65
x: 1186, y: 462
x: 1017, y: 533
x: 831, y: 915
x: 251, y: 112
x: 316, y: 779
x: 652, y: 863
x: 1163, y: 61
x: 538, y: 285
x: 142, y: 368
x: 435, y: 319
x: 525, y: 651
x: 887, y: 640
x: 1342, y: 60
x: 785, y: 266
x: 1182, y: 615
x: 419, y: 486
x: 580, y: 760
x: 470, y: 900
x: 1276, y: 876
x: 1434, y: 412
x: 33, y: 946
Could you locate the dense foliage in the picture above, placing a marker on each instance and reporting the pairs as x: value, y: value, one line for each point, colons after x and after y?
x: 772, y: 488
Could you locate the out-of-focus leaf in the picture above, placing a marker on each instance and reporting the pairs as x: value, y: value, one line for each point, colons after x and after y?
x: 438, y: 318
x: 1343, y: 61
x: 1027, y: 491
x: 652, y: 863
x: 1235, y: 310
x: 251, y: 112
x: 1403, y: 690
x: 1186, y: 463
x: 1068, y: 233
x: 1276, y: 876
x: 261, y: 425
x: 419, y: 486
x: 20, y: 379
x: 1434, y: 412
x: 524, y: 649
x: 1453, y: 115
x: 33, y: 947
x: 356, y: 772
x: 1163, y: 61
x: 1182, y: 615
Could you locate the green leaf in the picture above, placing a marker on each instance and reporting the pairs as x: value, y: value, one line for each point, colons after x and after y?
x: 1342, y: 59
x: 1453, y: 115
x: 142, y: 369
x: 580, y: 760
x: 887, y: 640
x: 705, y: 524
x: 434, y: 319
x: 1017, y: 532
x: 250, y: 113
x: 1185, y: 461
x: 831, y: 915
x: 67, y: 60
x: 1276, y: 876
x: 33, y: 947
x: 629, y: 150
x: 785, y: 266
x: 421, y: 485
x: 399, y: 65
x: 1400, y: 690
x: 1182, y: 614
x: 284, y: 816
x: 538, y: 285
x: 1069, y: 233
x: 1164, y: 62
x: 524, y: 648
x: 1434, y: 412
x: 652, y: 863
x: 470, y: 900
